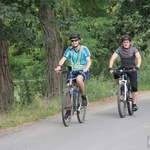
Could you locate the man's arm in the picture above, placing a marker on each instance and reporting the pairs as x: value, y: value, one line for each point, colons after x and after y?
x: 112, y: 59
x: 61, y: 62
x: 139, y: 59
x: 89, y: 62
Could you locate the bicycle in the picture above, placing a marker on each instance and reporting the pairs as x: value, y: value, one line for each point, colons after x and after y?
x: 72, y: 93
x: 124, y: 98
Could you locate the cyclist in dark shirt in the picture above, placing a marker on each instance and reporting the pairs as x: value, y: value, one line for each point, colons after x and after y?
x: 130, y: 59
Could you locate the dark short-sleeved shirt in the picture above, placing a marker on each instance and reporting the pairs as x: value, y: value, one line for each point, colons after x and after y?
x: 127, y: 57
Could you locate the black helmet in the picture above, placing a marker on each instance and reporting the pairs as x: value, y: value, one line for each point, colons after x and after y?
x: 126, y: 37
x: 74, y: 35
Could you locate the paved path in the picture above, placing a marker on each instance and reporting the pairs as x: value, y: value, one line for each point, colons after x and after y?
x: 103, y: 130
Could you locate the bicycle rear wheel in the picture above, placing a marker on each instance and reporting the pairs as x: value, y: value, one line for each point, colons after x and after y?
x: 120, y: 101
x: 81, y: 110
x: 65, y: 108
x: 130, y: 104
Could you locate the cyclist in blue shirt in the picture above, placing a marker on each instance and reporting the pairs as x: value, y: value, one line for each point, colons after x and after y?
x: 79, y: 58
x: 130, y: 59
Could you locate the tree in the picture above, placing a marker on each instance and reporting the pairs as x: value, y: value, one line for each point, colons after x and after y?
x: 15, y: 24
x: 48, y: 26
x: 6, y: 85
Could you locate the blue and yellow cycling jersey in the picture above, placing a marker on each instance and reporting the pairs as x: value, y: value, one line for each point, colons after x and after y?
x: 77, y: 59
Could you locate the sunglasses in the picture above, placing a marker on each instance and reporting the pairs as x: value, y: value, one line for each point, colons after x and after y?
x: 73, y: 41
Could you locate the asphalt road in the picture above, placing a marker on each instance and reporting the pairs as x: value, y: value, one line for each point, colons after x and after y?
x: 102, y: 130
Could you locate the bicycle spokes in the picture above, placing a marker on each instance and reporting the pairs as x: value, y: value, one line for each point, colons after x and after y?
x: 121, y: 102
x: 81, y: 111
x: 67, y: 108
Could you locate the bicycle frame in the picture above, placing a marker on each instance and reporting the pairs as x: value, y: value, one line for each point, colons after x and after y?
x: 75, y: 102
x: 123, y: 96
x: 123, y: 82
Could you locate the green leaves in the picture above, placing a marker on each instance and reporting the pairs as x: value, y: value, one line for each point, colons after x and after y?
x: 17, y: 25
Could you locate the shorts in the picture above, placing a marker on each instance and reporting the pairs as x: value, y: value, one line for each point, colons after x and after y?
x: 133, y: 76
x: 76, y: 73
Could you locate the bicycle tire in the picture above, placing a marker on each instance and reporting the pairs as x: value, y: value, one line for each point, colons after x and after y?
x: 120, y: 101
x: 67, y: 121
x: 81, y: 110
x: 130, y: 104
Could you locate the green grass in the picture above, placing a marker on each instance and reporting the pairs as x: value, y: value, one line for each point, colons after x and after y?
x: 99, y: 88
x: 41, y: 108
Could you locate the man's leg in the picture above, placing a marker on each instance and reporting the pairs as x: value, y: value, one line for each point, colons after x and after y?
x: 117, y: 81
x: 68, y: 97
x: 81, y: 85
x: 134, y: 97
x: 134, y: 86
x: 117, y: 78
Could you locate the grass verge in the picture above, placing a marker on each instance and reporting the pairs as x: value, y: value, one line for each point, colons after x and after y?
x: 41, y: 108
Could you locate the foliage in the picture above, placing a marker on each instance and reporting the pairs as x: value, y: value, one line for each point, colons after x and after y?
x: 30, y: 64
x: 97, y: 35
x: 97, y: 88
x: 19, y: 27
x: 132, y: 17
x: 95, y: 28
x: 25, y: 90
x: 100, y: 23
x: 41, y: 108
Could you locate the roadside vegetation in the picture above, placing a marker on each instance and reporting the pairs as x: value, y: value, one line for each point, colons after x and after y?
x: 33, y: 36
x: 42, y: 108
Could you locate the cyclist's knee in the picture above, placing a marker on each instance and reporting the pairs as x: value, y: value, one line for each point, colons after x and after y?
x: 67, y: 85
x: 79, y: 78
x: 116, y: 76
x: 134, y: 89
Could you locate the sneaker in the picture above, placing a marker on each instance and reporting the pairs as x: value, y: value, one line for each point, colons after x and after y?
x: 135, y: 107
x: 67, y: 115
x: 84, y: 100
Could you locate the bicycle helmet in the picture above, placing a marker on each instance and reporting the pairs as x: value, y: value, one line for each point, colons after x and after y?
x: 126, y: 37
x: 74, y: 35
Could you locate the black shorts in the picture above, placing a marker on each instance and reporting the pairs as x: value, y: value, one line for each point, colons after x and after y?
x: 133, y: 76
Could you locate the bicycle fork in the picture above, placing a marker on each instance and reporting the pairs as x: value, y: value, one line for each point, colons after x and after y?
x: 124, y: 83
x: 76, y: 100
x: 77, y: 105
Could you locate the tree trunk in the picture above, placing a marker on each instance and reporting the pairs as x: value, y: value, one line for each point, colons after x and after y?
x: 52, y: 50
x: 6, y: 84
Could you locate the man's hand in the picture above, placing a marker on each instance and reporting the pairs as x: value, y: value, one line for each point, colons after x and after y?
x: 85, y: 69
x: 58, y: 69
x: 136, y: 68
x: 110, y: 70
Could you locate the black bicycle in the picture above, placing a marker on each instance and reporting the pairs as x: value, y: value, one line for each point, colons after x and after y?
x: 124, y: 99
x: 72, y: 101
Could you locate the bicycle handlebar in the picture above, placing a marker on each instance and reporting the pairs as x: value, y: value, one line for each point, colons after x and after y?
x: 124, y: 70
x: 68, y: 71
x: 63, y: 71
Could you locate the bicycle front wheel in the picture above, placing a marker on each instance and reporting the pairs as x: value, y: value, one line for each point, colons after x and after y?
x: 67, y: 107
x: 121, y: 102
x: 130, y: 104
x: 81, y: 110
